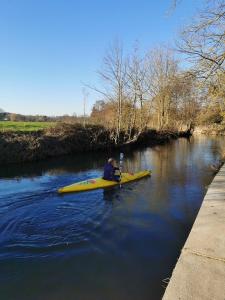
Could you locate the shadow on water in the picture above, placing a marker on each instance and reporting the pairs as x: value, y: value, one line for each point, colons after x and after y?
x: 59, y: 165
x: 118, y: 243
x: 70, y: 164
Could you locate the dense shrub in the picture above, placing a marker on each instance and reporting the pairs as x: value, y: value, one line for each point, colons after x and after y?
x: 68, y: 138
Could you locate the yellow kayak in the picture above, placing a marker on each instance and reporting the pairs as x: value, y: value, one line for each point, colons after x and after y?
x: 99, y: 183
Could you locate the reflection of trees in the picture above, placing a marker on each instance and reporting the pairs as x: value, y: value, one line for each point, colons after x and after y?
x: 179, y: 161
x: 184, y: 160
x: 55, y: 166
x: 177, y: 167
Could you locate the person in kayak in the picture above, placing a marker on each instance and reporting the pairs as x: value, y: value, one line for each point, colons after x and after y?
x: 111, y: 171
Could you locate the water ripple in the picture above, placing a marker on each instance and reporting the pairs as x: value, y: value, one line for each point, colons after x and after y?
x: 37, y: 224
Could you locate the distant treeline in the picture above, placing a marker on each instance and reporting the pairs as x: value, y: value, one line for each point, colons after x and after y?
x: 6, y: 116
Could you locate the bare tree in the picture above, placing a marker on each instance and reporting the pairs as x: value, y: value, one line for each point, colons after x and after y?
x: 113, y: 74
x: 85, y: 96
x: 204, y: 40
x: 162, y: 71
x: 137, y: 90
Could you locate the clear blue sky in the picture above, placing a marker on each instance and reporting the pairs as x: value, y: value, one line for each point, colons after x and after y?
x: 49, y: 47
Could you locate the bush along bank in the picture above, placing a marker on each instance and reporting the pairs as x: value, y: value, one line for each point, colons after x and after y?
x: 16, y: 147
x: 212, y: 129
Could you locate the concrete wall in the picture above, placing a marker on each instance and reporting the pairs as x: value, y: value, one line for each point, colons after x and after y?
x: 200, y: 270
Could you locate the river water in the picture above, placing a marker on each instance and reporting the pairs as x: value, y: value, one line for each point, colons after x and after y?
x: 117, y: 244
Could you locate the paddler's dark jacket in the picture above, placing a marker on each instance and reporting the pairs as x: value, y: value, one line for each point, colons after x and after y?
x: 109, y: 172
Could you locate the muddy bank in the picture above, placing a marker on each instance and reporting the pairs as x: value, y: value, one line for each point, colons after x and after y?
x: 65, y: 139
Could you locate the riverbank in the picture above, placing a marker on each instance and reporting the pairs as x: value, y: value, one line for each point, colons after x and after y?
x: 213, y: 129
x: 16, y: 147
x: 200, y: 270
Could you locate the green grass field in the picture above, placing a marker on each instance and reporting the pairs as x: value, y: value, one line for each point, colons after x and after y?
x: 24, y: 126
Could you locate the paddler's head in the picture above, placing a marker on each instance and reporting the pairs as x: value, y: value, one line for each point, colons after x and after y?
x: 111, y: 161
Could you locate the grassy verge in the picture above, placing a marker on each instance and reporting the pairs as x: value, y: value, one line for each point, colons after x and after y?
x: 24, y: 126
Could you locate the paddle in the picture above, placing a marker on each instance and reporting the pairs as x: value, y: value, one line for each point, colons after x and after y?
x: 121, y: 165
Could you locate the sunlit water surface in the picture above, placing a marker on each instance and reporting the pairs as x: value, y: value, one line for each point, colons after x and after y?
x: 117, y: 244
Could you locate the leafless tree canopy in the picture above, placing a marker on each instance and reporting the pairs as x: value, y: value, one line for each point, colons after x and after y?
x: 204, y: 40
x: 143, y: 91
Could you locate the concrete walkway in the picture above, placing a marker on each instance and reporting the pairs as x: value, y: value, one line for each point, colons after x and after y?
x: 200, y: 271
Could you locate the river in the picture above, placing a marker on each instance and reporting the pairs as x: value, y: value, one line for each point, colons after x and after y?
x: 117, y: 244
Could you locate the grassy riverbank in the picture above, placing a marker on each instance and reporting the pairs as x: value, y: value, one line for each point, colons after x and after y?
x: 24, y: 126
x: 61, y: 139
